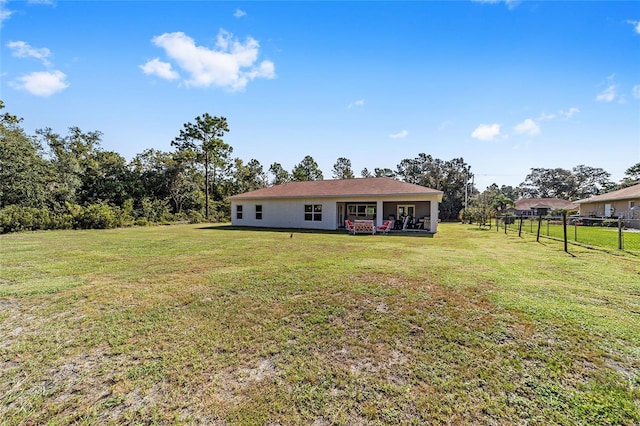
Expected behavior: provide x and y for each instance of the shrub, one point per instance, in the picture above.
(143, 221)
(126, 214)
(16, 218)
(195, 216)
(98, 216)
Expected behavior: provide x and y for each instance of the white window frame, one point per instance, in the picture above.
(313, 213)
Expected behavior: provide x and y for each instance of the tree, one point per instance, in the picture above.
(380, 172)
(365, 173)
(83, 172)
(632, 176)
(163, 176)
(456, 174)
(589, 181)
(581, 182)
(342, 169)
(204, 137)
(280, 175)
(510, 192)
(410, 170)
(548, 183)
(451, 177)
(246, 177)
(306, 170)
(24, 173)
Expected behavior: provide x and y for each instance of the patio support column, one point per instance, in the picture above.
(379, 213)
(434, 216)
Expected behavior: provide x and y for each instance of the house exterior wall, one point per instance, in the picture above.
(284, 213)
(620, 207)
(290, 212)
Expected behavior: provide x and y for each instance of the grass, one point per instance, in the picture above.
(197, 324)
(603, 237)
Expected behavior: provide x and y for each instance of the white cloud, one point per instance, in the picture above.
(4, 12)
(445, 125)
(546, 117)
(511, 4)
(572, 111)
(486, 132)
(608, 94)
(560, 114)
(230, 64)
(239, 13)
(21, 49)
(527, 127)
(358, 103)
(401, 134)
(160, 69)
(636, 25)
(636, 91)
(42, 83)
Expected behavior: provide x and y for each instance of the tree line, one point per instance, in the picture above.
(51, 181)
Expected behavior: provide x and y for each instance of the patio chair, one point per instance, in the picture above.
(407, 223)
(386, 226)
(350, 226)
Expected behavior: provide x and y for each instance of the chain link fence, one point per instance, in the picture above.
(603, 233)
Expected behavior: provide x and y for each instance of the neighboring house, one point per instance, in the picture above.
(540, 206)
(326, 204)
(612, 204)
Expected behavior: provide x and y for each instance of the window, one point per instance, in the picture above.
(361, 210)
(632, 204)
(313, 212)
(239, 211)
(259, 212)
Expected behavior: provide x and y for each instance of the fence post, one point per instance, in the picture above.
(520, 229)
(497, 223)
(564, 228)
(539, 225)
(505, 225)
(620, 235)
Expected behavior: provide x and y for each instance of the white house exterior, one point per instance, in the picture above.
(327, 204)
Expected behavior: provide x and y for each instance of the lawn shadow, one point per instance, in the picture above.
(311, 231)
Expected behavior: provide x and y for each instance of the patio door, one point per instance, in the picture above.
(406, 210)
(607, 210)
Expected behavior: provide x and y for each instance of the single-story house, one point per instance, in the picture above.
(540, 206)
(612, 204)
(327, 204)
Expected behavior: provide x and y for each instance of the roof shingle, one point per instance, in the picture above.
(539, 203)
(340, 188)
(628, 193)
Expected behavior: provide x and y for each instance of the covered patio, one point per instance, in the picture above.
(406, 215)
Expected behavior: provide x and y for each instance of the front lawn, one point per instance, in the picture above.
(214, 325)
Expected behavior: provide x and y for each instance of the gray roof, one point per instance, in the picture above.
(629, 193)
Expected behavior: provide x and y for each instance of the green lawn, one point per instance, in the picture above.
(214, 325)
(604, 237)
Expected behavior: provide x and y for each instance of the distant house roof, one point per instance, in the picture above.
(543, 203)
(357, 187)
(628, 193)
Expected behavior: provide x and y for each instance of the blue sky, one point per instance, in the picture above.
(507, 86)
